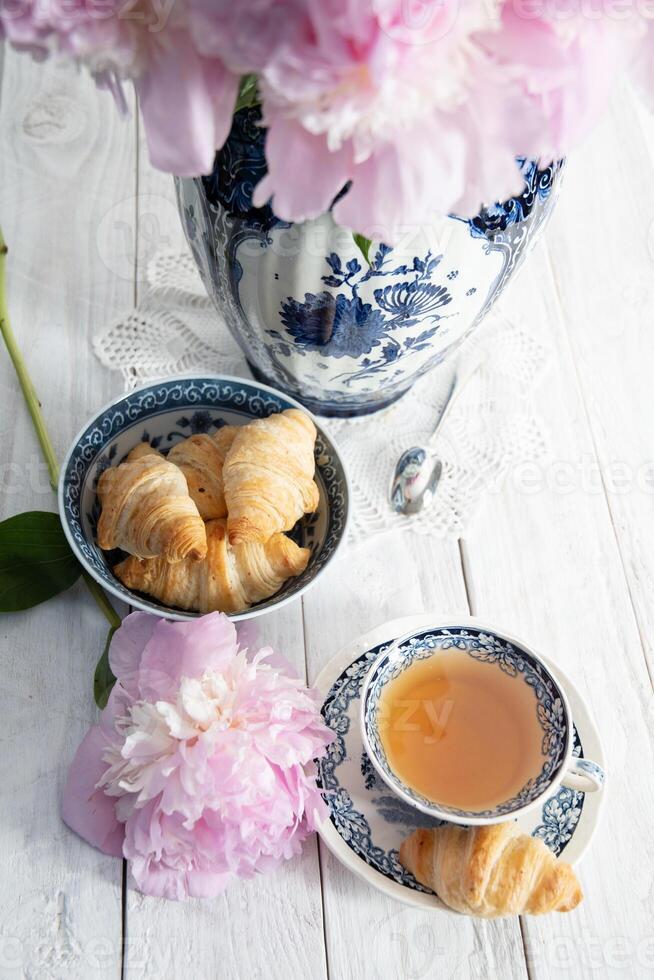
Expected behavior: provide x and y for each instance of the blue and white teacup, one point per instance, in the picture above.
(473, 639)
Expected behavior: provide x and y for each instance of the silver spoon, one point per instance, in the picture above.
(418, 470)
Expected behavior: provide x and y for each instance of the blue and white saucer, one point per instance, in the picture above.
(368, 822)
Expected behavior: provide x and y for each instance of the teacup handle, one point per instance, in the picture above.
(584, 775)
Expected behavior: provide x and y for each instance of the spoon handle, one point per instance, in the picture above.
(459, 383)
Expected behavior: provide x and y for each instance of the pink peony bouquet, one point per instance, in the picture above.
(201, 766)
(417, 106)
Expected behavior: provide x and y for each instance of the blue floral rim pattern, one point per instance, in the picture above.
(490, 649)
(194, 405)
(555, 826)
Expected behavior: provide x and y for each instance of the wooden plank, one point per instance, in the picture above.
(268, 927)
(544, 563)
(65, 161)
(547, 564)
(271, 926)
(368, 934)
(159, 225)
(606, 300)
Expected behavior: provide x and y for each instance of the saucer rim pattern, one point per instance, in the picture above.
(587, 820)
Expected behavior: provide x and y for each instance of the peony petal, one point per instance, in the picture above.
(188, 649)
(244, 35)
(318, 174)
(157, 880)
(205, 884)
(127, 647)
(393, 193)
(565, 67)
(86, 809)
(187, 102)
(247, 634)
(118, 706)
(276, 661)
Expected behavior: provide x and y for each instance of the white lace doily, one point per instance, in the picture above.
(492, 428)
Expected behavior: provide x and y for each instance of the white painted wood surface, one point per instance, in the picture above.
(565, 559)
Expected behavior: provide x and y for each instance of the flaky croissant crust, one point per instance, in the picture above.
(491, 871)
(147, 510)
(201, 458)
(268, 476)
(230, 579)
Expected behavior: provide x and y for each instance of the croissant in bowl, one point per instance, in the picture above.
(249, 483)
(230, 579)
(268, 476)
(147, 510)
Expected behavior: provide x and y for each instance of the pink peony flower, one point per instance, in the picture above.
(564, 58)
(365, 94)
(419, 106)
(201, 766)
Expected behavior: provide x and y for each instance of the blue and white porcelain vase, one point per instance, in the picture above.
(343, 335)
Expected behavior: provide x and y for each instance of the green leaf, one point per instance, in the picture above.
(364, 245)
(103, 679)
(248, 94)
(36, 562)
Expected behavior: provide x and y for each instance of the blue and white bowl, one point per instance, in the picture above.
(526, 667)
(165, 413)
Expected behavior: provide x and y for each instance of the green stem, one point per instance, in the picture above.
(100, 597)
(31, 398)
(34, 408)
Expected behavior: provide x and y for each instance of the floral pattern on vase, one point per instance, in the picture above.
(343, 325)
(313, 317)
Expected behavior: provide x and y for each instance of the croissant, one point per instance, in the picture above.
(268, 476)
(230, 579)
(143, 449)
(201, 458)
(147, 511)
(491, 871)
(224, 438)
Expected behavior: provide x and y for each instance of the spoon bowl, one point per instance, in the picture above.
(414, 481)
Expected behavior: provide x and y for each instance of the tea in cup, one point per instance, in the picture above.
(469, 725)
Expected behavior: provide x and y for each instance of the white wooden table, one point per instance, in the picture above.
(563, 556)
